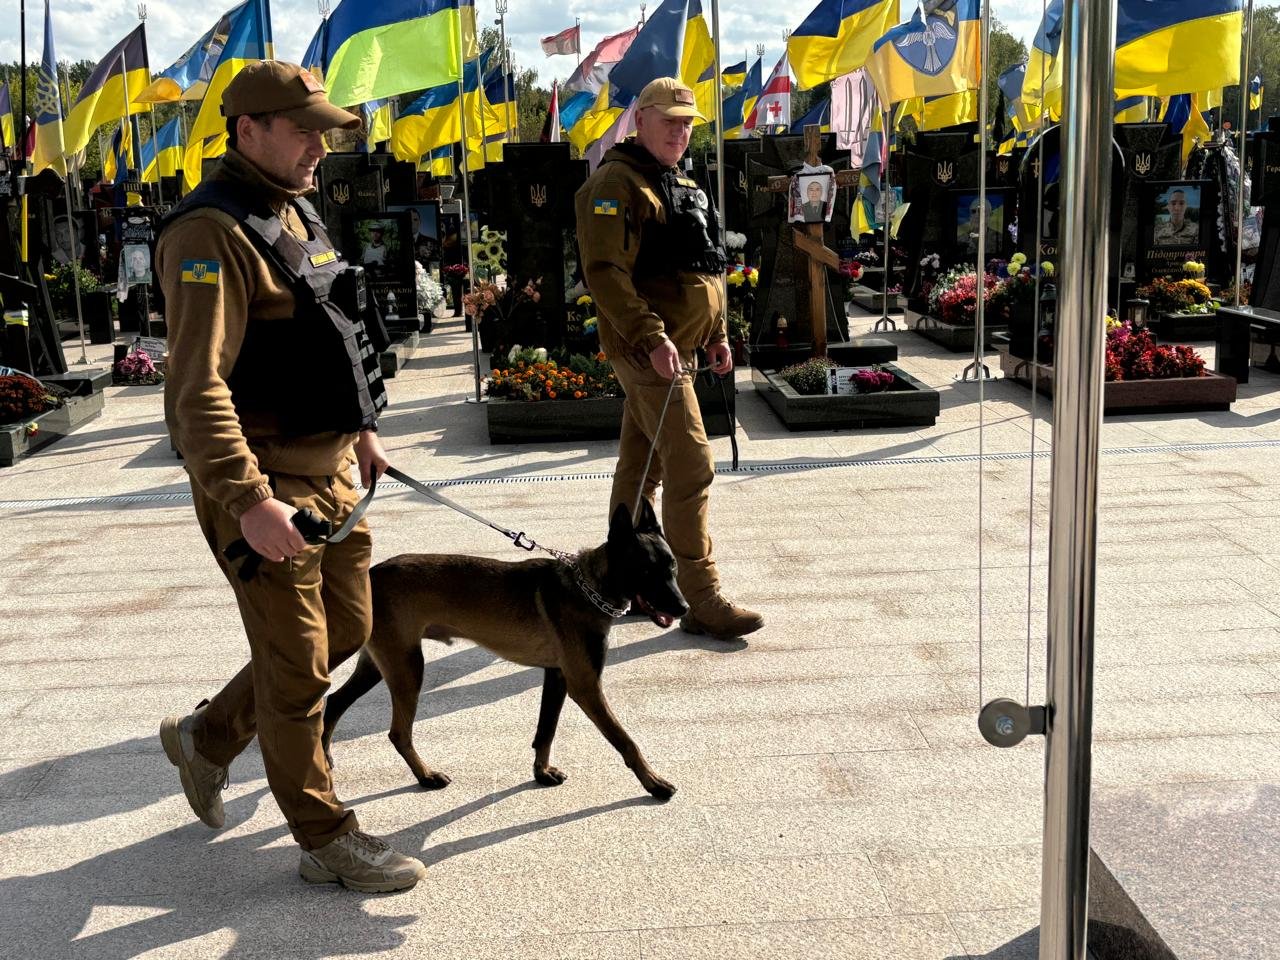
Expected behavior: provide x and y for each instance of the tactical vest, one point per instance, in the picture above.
(315, 372)
(688, 240)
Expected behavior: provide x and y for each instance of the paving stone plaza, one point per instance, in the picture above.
(835, 798)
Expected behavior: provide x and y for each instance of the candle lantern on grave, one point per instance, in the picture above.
(1137, 309)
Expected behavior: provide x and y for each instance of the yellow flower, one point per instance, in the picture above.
(584, 300)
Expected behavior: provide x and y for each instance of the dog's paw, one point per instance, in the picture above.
(435, 780)
(660, 788)
(328, 759)
(550, 776)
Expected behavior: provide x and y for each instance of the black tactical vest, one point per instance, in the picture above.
(315, 372)
(689, 240)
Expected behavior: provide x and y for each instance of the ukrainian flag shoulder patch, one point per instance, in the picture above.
(605, 208)
(201, 271)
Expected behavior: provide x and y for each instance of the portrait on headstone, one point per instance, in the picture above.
(812, 195)
(68, 240)
(136, 263)
(379, 243)
(424, 230)
(1177, 217)
(968, 208)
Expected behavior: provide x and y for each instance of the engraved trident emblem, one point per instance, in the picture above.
(538, 194)
(340, 192)
(1142, 164)
(945, 171)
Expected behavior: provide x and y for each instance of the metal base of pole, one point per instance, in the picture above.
(884, 323)
(974, 372)
(476, 400)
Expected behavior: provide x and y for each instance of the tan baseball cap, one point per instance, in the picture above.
(273, 86)
(671, 98)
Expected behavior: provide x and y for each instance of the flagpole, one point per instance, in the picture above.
(978, 365)
(74, 234)
(885, 126)
(1244, 127)
(464, 230)
(577, 40)
(21, 165)
(719, 121)
(501, 7)
(155, 144)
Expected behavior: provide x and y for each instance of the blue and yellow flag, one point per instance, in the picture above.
(377, 50)
(951, 110)
(575, 108)
(6, 118)
(732, 77)
(314, 59)
(674, 42)
(1183, 114)
(1256, 92)
(434, 120)
(376, 115)
(931, 55)
(837, 37)
(47, 108)
(1042, 84)
(500, 96)
(249, 40)
(114, 83)
(439, 161)
(738, 107)
(819, 113)
(1172, 46)
(119, 159)
(1132, 110)
(188, 76)
(162, 154)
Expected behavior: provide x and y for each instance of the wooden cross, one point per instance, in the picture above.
(808, 239)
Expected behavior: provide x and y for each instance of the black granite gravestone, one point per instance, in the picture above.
(1266, 193)
(1150, 152)
(533, 191)
(784, 272)
(348, 185)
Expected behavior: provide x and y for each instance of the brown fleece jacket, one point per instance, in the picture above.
(229, 455)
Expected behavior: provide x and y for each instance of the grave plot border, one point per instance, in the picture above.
(918, 406)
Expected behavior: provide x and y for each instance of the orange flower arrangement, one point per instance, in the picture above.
(529, 379)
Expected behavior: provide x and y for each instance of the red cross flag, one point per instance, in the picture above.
(774, 106)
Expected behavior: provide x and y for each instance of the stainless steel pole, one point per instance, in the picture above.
(719, 120)
(464, 230)
(1245, 43)
(978, 366)
(77, 251)
(1088, 39)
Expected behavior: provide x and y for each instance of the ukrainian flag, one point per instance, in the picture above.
(674, 42)
(313, 59)
(1131, 110)
(6, 118)
(739, 105)
(1184, 116)
(818, 114)
(938, 113)
(439, 161)
(837, 38)
(249, 40)
(1256, 92)
(1011, 82)
(1173, 46)
(574, 109)
(47, 108)
(116, 164)
(500, 96)
(188, 76)
(930, 55)
(1042, 86)
(735, 76)
(433, 120)
(162, 154)
(382, 49)
(376, 115)
(114, 83)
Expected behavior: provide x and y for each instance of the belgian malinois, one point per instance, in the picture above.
(538, 613)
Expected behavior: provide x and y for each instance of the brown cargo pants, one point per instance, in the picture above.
(303, 617)
(682, 463)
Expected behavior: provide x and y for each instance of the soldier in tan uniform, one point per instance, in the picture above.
(648, 240)
(1177, 230)
(270, 400)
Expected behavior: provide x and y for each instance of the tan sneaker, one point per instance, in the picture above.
(719, 618)
(202, 780)
(361, 862)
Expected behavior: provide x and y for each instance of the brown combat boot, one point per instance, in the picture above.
(202, 780)
(361, 862)
(719, 618)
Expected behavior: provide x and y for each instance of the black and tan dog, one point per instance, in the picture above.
(538, 613)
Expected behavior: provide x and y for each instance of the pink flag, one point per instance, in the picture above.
(853, 106)
(566, 41)
(594, 69)
(619, 131)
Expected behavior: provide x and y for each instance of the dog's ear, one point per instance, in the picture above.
(620, 523)
(647, 522)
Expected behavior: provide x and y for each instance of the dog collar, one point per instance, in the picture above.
(597, 600)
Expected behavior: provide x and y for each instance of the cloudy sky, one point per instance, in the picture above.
(87, 28)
